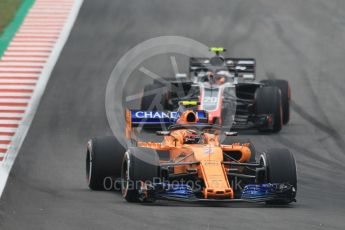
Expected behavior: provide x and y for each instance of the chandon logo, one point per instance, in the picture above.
(154, 115)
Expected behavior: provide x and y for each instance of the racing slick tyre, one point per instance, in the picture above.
(285, 90)
(281, 168)
(268, 101)
(150, 93)
(139, 166)
(103, 162)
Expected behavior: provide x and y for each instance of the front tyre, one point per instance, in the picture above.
(140, 166)
(280, 168)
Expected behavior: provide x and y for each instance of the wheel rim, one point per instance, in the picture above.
(281, 116)
(263, 162)
(125, 176)
(88, 166)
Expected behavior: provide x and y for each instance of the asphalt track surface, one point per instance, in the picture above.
(302, 41)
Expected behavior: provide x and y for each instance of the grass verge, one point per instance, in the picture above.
(8, 10)
(19, 9)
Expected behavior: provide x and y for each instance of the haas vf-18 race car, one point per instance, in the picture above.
(227, 90)
(190, 164)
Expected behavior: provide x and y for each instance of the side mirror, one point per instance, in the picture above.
(248, 76)
(163, 133)
(180, 75)
(231, 134)
(189, 103)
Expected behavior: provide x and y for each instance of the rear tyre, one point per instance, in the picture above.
(268, 101)
(285, 90)
(103, 162)
(280, 168)
(140, 165)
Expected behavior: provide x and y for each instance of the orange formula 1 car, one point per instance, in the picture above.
(190, 164)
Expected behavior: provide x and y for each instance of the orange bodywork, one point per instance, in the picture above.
(209, 155)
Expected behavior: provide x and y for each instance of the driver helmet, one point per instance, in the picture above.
(193, 138)
(217, 78)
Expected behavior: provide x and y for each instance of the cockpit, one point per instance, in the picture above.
(193, 133)
(213, 77)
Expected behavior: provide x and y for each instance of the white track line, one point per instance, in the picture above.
(19, 70)
(9, 121)
(5, 138)
(12, 100)
(18, 85)
(36, 49)
(50, 30)
(22, 130)
(28, 43)
(42, 19)
(17, 81)
(34, 39)
(12, 108)
(7, 130)
(7, 94)
(34, 42)
(13, 53)
(11, 115)
(19, 75)
(11, 58)
(4, 63)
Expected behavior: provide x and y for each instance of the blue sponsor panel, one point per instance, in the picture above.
(268, 192)
(202, 115)
(179, 190)
(159, 117)
(153, 117)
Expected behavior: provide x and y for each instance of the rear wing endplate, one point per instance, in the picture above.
(242, 67)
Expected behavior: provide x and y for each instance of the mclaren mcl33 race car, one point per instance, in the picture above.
(227, 90)
(191, 164)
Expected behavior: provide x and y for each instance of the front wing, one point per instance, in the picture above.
(251, 193)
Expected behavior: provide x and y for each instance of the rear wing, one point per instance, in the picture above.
(241, 67)
(136, 118)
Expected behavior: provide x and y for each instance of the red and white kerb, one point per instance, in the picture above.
(22, 63)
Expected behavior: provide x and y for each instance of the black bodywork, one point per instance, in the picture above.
(242, 100)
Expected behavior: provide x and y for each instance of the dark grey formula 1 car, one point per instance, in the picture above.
(226, 88)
